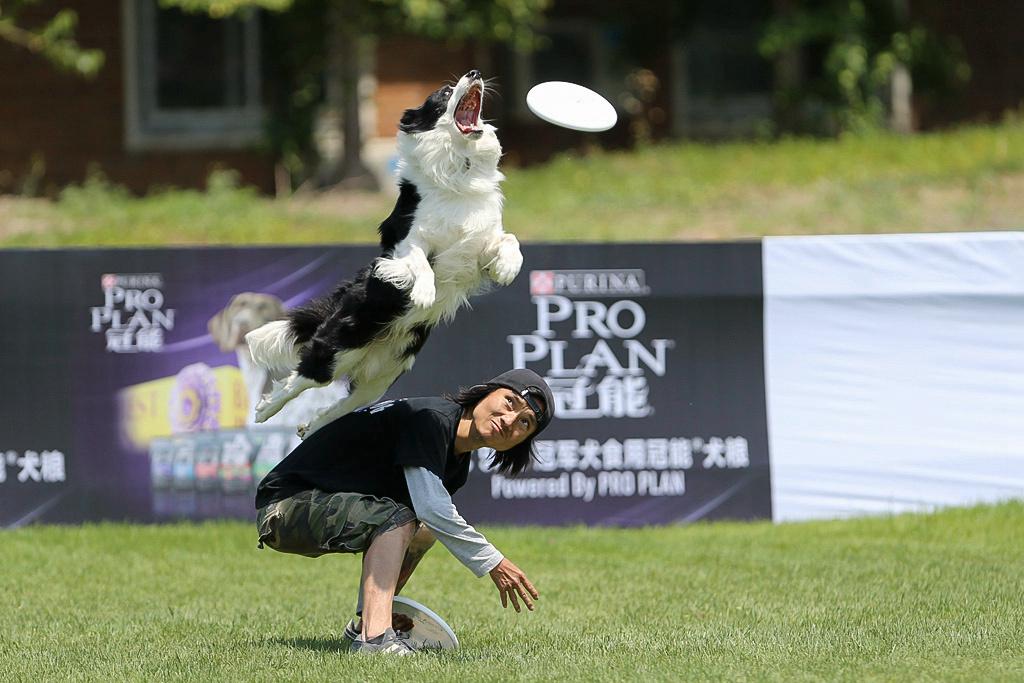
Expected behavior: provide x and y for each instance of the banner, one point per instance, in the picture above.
(128, 389)
(895, 372)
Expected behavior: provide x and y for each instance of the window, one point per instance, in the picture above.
(722, 85)
(191, 81)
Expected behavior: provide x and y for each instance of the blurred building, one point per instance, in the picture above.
(181, 95)
(151, 117)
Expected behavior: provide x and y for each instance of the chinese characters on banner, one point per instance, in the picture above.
(633, 467)
(38, 466)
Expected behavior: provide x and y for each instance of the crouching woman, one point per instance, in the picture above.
(379, 481)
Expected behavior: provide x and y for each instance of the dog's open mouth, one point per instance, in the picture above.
(467, 114)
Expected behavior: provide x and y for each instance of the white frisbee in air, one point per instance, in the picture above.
(571, 106)
(429, 631)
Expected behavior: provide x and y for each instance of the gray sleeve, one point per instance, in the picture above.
(434, 507)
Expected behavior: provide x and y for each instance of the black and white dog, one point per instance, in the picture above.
(441, 242)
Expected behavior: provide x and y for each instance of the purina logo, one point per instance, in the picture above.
(603, 282)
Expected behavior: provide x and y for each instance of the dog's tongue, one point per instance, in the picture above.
(468, 112)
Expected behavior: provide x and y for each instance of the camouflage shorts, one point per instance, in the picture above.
(313, 523)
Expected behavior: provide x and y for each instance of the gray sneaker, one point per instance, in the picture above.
(390, 642)
(351, 633)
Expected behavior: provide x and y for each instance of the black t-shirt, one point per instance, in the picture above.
(365, 451)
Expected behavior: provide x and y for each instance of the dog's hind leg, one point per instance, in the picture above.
(317, 360)
(367, 307)
(282, 392)
(360, 396)
(315, 369)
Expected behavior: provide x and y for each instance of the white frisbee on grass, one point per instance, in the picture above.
(571, 106)
(429, 631)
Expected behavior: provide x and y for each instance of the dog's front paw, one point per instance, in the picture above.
(270, 404)
(394, 271)
(423, 293)
(306, 429)
(506, 266)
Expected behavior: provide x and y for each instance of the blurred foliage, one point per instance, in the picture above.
(54, 40)
(510, 21)
(505, 21)
(297, 34)
(853, 47)
(640, 102)
(295, 60)
(224, 8)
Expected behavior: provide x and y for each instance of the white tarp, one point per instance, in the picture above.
(895, 371)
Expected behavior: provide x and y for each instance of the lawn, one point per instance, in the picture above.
(966, 179)
(913, 597)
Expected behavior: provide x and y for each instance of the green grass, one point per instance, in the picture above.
(967, 179)
(915, 597)
(882, 183)
(96, 214)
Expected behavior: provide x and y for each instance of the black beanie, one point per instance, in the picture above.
(530, 386)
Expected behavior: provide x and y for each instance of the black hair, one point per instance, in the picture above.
(514, 460)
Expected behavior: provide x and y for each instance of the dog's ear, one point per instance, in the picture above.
(218, 327)
(423, 118)
(412, 121)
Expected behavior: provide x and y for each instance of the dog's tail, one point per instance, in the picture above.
(273, 346)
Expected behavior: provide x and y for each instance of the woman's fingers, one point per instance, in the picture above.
(525, 596)
(512, 596)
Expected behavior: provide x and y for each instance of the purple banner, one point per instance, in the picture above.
(128, 392)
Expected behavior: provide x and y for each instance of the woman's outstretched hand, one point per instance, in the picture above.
(513, 585)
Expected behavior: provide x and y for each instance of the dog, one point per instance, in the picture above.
(248, 311)
(443, 242)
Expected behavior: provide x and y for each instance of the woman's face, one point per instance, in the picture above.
(503, 420)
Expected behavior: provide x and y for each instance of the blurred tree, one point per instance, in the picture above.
(856, 60)
(54, 40)
(345, 24)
